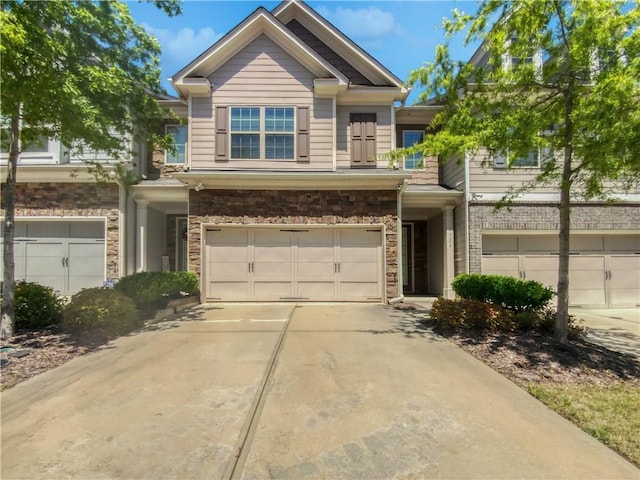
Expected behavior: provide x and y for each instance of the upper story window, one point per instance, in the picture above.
(409, 139)
(534, 159)
(39, 145)
(262, 132)
(179, 135)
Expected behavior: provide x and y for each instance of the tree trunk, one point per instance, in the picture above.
(9, 201)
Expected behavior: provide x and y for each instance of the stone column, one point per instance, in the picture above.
(448, 267)
(141, 235)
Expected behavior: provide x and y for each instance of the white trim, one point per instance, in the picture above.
(189, 129)
(334, 133)
(552, 197)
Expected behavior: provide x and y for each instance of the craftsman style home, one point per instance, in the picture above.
(280, 188)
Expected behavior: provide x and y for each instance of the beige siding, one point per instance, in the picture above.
(343, 134)
(262, 74)
(453, 174)
(484, 178)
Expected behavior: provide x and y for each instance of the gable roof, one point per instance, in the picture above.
(373, 70)
(259, 22)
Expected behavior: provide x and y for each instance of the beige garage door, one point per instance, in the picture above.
(289, 264)
(603, 269)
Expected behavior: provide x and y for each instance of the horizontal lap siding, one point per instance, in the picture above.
(263, 75)
(343, 135)
(453, 174)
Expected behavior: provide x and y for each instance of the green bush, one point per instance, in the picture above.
(508, 292)
(464, 314)
(101, 312)
(36, 306)
(153, 290)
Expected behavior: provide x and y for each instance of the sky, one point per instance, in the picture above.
(400, 34)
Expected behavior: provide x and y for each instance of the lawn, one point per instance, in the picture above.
(610, 413)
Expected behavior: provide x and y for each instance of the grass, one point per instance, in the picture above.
(609, 413)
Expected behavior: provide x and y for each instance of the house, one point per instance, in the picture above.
(280, 188)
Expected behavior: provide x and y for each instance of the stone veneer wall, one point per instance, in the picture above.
(296, 207)
(74, 200)
(527, 217)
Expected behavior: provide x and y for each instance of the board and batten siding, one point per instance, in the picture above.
(343, 134)
(262, 74)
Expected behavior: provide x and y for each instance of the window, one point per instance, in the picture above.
(532, 160)
(179, 135)
(410, 138)
(39, 145)
(262, 132)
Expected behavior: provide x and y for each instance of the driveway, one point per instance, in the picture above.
(286, 391)
(615, 328)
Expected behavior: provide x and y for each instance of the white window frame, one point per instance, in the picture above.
(262, 133)
(404, 145)
(167, 153)
(504, 164)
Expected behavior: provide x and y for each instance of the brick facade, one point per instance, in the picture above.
(74, 200)
(527, 217)
(316, 207)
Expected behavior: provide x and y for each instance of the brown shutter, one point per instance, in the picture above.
(222, 134)
(363, 139)
(303, 134)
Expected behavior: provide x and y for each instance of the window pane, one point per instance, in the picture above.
(278, 119)
(245, 119)
(179, 135)
(531, 160)
(410, 138)
(245, 145)
(40, 144)
(279, 147)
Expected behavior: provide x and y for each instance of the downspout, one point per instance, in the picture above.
(400, 276)
(467, 199)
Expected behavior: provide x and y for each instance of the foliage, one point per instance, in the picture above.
(465, 314)
(559, 75)
(100, 312)
(37, 306)
(509, 292)
(150, 290)
(609, 413)
(83, 73)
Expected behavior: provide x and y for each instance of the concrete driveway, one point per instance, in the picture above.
(615, 328)
(286, 391)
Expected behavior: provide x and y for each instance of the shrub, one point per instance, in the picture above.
(101, 312)
(464, 314)
(508, 292)
(36, 306)
(152, 290)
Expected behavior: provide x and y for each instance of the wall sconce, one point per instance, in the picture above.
(199, 187)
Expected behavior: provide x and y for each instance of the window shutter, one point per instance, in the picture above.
(499, 160)
(363, 139)
(222, 134)
(303, 134)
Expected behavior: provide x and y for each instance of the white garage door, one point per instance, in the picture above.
(67, 256)
(289, 264)
(603, 269)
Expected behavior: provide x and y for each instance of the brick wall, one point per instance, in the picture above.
(544, 217)
(296, 207)
(74, 200)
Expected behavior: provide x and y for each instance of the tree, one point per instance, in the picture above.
(79, 71)
(561, 76)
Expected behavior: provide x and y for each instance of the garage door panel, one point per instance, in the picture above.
(624, 282)
(359, 253)
(502, 265)
(586, 297)
(359, 290)
(228, 271)
(272, 290)
(358, 272)
(39, 229)
(272, 253)
(499, 244)
(272, 271)
(587, 243)
(228, 291)
(353, 237)
(317, 290)
(623, 243)
(316, 270)
(224, 253)
(539, 243)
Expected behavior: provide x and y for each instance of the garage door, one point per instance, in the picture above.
(603, 269)
(67, 256)
(289, 264)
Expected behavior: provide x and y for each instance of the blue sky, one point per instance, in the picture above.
(400, 34)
